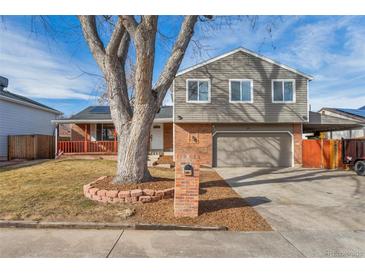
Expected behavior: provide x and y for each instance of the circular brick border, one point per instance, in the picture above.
(125, 196)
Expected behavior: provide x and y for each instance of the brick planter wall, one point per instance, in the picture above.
(125, 196)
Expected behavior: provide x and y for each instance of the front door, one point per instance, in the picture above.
(157, 137)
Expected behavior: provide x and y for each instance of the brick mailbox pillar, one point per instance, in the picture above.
(187, 173)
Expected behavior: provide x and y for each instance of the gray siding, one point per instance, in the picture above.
(17, 119)
(241, 66)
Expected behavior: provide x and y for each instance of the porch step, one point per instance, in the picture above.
(155, 153)
(152, 158)
(164, 161)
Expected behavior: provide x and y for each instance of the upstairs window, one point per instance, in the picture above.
(283, 91)
(241, 91)
(198, 91)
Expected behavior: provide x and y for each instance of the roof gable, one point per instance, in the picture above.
(247, 52)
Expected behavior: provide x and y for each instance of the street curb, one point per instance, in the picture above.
(178, 227)
(93, 225)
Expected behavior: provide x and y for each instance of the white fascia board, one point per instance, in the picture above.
(70, 121)
(248, 52)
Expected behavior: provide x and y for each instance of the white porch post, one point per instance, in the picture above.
(56, 141)
(102, 135)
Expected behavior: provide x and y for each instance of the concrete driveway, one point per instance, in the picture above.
(319, 212)
(302, 199)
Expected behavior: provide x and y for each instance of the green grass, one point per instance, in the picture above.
(52, 191)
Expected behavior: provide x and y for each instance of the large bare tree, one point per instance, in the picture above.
(133, 123)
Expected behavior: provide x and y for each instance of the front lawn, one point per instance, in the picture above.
(52, 191)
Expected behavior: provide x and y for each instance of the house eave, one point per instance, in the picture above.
(103, 121)
(347, 115)
(81, 121)
(29, 105)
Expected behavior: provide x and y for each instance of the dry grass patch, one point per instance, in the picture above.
(52, 191)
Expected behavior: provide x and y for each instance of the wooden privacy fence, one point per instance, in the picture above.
(30, 147)
(322, 154)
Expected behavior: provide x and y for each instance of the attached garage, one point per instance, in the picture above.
(259, 149)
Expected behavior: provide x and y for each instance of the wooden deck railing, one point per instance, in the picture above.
(92, 147)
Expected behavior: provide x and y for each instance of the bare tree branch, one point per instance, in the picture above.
(123, 47)
(173, 64)
(130, 24)
(91, 35)
(149, 20)
(144, 41)
(122, 54)
(116, 38)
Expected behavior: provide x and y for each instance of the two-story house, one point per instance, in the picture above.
(237, 109)
(241, 109)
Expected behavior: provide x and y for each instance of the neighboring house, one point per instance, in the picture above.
(238, 109)
(355, 115)
(22, 116)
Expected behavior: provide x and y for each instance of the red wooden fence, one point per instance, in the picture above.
(92, 147)
(322, 154)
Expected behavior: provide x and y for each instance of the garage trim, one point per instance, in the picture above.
(259, 131)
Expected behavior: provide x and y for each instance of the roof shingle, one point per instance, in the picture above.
(103, 113)
(18, 97)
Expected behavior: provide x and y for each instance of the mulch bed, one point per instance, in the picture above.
(219, 205)
(156, 183)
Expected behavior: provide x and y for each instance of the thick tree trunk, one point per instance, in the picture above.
(133, 123)
(133, 148)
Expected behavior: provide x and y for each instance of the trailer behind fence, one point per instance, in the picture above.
(30, 147)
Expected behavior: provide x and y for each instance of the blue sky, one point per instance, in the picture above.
(52, 64)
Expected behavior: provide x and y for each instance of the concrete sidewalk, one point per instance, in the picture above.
(18, 242)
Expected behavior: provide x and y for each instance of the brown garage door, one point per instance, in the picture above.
(253, 149)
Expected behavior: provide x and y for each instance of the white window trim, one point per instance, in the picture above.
(240, 101)
(272, 91)
(197, 101)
